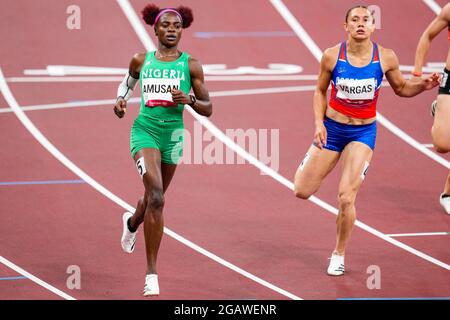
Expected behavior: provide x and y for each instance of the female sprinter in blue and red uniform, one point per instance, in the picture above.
(346, 126)
(166, 78)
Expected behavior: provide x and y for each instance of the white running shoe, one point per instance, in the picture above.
(445, 203)
(151, 287)
(336, 267)
(128, 240)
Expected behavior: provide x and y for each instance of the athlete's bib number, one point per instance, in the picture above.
(158, 92)
(353, 89)
(140, 166)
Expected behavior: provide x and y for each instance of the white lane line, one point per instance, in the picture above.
(118, 79)
(313, 48)
(227, 93)
(436, 8)
(51, 148)
(297, 28)
(231, 266)
(64, 79)
(423, 234)
(75, 104)
(71, 166)
(275, 175)
(262, 91)
(63, 70)
(411, 141)
(208, 78)
(35, 279)
(111, 102)
(136, 24)
(227, 141)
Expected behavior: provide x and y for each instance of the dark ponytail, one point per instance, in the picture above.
(187, 15)
(149, 14)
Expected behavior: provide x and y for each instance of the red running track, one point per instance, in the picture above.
(233, 211)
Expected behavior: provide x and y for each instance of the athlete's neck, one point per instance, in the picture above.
(359, 47)
(163, 51)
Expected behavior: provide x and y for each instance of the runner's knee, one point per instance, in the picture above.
(440, 147)
(440, 141)
(346, 199)
(441, 150)
(155, 199)
(302, 193)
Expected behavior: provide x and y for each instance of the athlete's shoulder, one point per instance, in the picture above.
(193, 60)
(329, 57)
(388, 58)
(136, 64)
(195, 68)
(139, 57)
(194, 63)
(387, 54)
(138, 60)
(445, 12)
(332, 52)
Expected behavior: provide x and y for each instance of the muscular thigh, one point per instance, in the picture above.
(314, 168)
(148, 164)
(157, 175)
(167, 172)
(442, 114)
(356, 158)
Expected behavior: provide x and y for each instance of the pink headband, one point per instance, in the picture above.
(163, 11)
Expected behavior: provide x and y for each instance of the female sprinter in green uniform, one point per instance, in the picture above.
(166, 77)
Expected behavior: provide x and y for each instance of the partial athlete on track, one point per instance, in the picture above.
(345, 127)
(440, 108)
(166, 77)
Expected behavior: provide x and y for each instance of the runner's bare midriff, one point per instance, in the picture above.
(342, 118)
